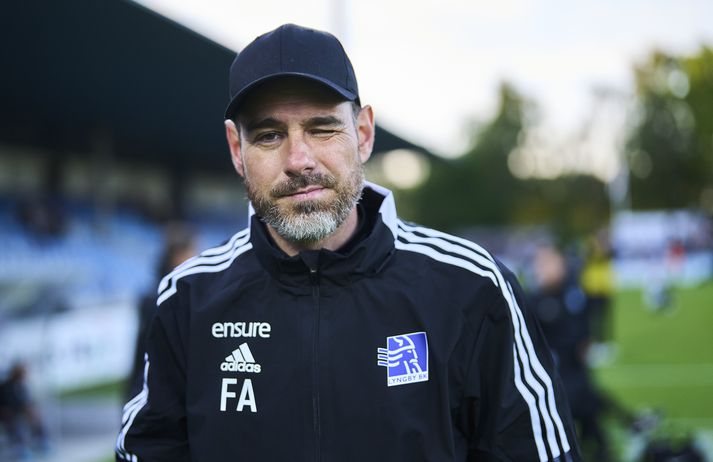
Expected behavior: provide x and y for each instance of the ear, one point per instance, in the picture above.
(365, 132)
(233, 137)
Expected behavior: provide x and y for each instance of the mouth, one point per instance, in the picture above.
(309, 192)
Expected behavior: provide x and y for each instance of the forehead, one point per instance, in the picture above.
(290, 95)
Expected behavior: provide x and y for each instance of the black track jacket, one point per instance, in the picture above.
(411, 345)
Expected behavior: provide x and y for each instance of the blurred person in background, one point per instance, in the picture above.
(560, 304)
(564, 311)
(43, 217)
(19, 417)
(597, 280)
(598, 284)
(179, 246)
(659, 296)
(329, 329)
(667, 450)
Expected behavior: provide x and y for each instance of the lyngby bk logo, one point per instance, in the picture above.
(406, 357)
(240, 360)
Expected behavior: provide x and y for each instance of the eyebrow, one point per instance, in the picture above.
(323, 121)
(267, 122)
(271, 122)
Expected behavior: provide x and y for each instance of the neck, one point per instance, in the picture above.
(332, 242)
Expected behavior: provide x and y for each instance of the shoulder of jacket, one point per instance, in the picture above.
(457, 252)
(211, 262)
(448, 249)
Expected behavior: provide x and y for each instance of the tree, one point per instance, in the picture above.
(670, 150)
(477, 188)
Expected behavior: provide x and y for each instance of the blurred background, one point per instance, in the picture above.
(573, 141)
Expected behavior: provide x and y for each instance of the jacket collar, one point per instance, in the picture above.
(332, 269)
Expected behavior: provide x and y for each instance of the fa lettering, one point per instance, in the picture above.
(245, 400)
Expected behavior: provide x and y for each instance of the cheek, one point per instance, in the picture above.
(345, 145)
(261, 169)
(340, 156)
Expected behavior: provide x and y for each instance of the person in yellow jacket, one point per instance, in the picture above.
(597, 280)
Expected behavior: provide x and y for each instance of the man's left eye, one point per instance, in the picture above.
(323, 132)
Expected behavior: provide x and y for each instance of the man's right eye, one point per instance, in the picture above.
(266, 138)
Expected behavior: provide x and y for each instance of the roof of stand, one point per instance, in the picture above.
(72, 71)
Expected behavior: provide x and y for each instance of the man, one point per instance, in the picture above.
(330, 330)
(179, 245)
(560, 305)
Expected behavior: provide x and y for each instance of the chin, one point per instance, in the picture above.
(306, 207)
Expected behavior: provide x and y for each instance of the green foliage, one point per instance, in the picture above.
(573, 206)
(479, 189)
(670, 150)
(670, 154)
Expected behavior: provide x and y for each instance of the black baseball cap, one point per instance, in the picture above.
(292, 50)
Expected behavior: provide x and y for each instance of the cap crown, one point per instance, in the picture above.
(296, 51)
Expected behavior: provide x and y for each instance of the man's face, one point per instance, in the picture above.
(301, 158)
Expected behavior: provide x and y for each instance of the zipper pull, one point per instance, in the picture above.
(314, 276)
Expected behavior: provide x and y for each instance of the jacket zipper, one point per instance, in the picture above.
(314, 278)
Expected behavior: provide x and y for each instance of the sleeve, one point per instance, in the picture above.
(515, 408)
(146, 310)
(154, 421)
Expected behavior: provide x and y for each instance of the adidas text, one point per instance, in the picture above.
(240, 367)
(240, 359)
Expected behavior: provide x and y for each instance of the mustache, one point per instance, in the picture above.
(294, 184)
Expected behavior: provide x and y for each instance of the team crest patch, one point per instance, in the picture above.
(406, 358)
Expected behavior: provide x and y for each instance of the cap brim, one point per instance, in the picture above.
(240, 96)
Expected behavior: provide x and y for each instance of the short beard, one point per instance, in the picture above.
(308, 222)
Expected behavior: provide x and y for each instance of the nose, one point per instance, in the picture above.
(300, 158)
